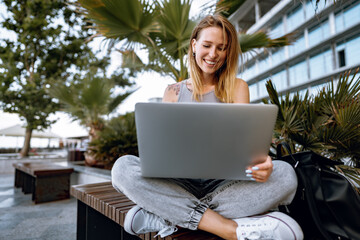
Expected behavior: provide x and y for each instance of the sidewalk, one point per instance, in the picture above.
(21, 219)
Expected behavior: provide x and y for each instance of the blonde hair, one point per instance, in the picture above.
(226, 74)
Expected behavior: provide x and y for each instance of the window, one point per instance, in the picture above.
(264, 64)
(278, 57)
(312, 9)
(347, 17)
(262, 88)
(279, 80)
(319, 33)
(277, 30)
(295, 18)
(349, 51)
(341, 58)
(353, 51)
(253, 91)
(320, 64)
(249, 72)
(298, 73)
(297, 46)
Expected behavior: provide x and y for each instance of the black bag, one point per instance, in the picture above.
(326, 205)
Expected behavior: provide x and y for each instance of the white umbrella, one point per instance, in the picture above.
(19, 131)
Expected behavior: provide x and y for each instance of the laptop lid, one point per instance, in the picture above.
(202, 140)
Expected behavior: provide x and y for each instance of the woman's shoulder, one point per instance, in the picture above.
(172, 92)
(241, 91)
(240, 83)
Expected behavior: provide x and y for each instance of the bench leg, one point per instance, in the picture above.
(18, 178)
(27, 183)
(92, 225)
(51, 188)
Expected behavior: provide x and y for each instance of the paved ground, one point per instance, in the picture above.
(21, 219)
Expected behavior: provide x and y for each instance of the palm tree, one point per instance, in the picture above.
(89, 100)
(327, 123)
(163, 28)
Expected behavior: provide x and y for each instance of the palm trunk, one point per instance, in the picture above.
(26, 148)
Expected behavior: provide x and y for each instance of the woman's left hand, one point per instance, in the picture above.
(262, 171)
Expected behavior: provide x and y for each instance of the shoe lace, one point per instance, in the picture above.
(166, 231)
(259, 229)
(156, 223)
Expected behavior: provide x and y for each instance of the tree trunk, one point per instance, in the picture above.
(26, 148)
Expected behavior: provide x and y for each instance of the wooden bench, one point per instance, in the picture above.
(101, 213)
(46, 181)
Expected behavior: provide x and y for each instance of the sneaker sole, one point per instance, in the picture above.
(129, 218)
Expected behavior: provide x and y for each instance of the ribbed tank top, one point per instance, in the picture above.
(198, 187)
(185, 95)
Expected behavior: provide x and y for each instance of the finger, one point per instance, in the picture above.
(263, 166)
(258, 176)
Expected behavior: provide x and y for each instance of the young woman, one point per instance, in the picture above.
(227, 208)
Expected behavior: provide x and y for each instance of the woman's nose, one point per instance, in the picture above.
(213, 52)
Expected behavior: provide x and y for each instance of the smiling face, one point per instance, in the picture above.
(210, 50)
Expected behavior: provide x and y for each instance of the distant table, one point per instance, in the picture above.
(46, 181)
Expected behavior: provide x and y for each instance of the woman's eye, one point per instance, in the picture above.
(206, 46)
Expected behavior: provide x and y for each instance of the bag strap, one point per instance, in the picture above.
(279, 155)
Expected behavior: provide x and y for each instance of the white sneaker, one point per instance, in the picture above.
(275, 225)
(140, 221)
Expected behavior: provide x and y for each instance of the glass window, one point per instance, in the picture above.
(279, 80)
(297, 46)
(253, 91)
(310, 9)
(262, 88)
(319, 33)
(347, 17)
(298, 73)
(295, 18)
(352, 51)
(249, 72)
(320, 64)
(264, 64)
(277, 30)
(348, 52)
(278, 57)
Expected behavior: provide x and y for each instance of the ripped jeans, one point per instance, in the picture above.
(172, 199)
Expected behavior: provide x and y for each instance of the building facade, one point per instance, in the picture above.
(327, 43)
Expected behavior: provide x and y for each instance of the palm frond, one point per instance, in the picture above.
(352, 174)
(250, 42)
(228, 7)
(328, 123)
(121, 19)
(117, 100)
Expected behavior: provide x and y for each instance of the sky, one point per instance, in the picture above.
(150, 84)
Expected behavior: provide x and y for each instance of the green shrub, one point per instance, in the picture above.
(118, 138)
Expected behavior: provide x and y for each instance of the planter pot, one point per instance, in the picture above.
(91, 161)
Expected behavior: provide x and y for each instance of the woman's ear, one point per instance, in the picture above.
(193, 44)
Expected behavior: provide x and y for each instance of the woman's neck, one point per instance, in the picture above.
(207, 86)
(208, 80)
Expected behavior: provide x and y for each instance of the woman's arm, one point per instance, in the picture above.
(171, 93)
(241, 94)
(262, 171)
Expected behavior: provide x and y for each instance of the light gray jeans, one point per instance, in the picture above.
(231, 199)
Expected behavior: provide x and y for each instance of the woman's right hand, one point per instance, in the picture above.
(262, 171)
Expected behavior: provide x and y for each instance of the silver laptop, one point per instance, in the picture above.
(202, 140)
